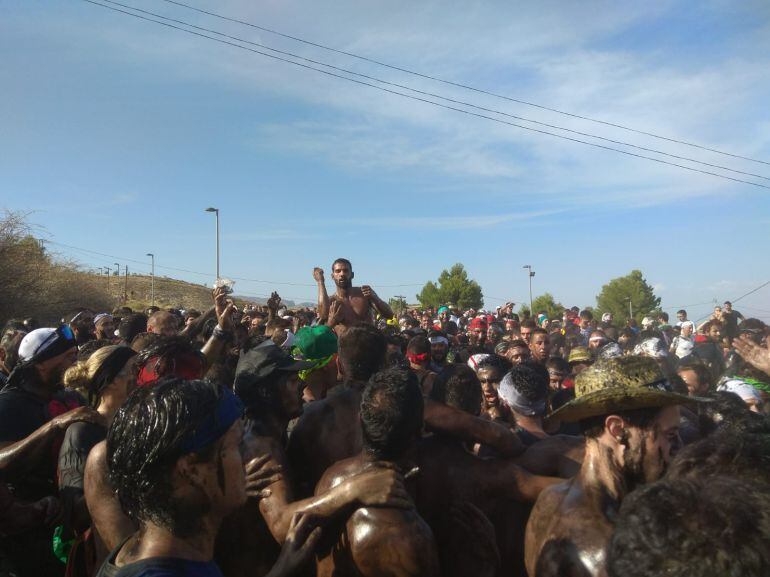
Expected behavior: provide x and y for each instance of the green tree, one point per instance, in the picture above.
(616, 294)
(546, 302)
(398, 305)
(454, 287)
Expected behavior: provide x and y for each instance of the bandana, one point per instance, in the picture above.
(216, 423)
(740, 387)
(438, 340)
(44, 344)
(474, 361)
(110, 368)
(101, 316)
(420, 359)
(478, 323)
(610, 351)
(517, 402)
(187, 366)
(652, 348)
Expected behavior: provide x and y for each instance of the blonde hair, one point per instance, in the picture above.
(79, 375)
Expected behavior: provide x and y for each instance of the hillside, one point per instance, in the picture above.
(169, 292)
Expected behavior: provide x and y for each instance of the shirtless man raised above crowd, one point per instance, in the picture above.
(348, 305)
(631, 424)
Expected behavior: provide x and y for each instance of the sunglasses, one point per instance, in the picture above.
(63, 332)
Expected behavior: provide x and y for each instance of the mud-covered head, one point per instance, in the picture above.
(391, 414)
(173, 453)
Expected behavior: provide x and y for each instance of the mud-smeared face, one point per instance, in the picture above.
(650, 451)
(490, 378)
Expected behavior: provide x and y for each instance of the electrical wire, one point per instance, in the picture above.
(163, 267)
(461, 85)
(440, 97)
(417, 98)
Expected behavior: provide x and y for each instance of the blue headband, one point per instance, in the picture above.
(216, 423)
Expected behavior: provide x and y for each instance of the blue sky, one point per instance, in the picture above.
(117, 133)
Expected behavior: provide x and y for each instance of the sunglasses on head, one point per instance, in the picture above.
(63, 332)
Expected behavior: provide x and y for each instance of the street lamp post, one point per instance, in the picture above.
(216, 211)
(152, 279)
(531, 274)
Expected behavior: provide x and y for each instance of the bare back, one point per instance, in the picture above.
(567, 534)
(375, 542)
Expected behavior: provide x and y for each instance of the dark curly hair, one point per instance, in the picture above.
(459, 387)
(710, 527)
(391, 413)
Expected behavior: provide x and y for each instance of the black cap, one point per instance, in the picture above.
(264, 360)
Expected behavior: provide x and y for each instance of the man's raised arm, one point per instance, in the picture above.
(323, 296)
(379, 305)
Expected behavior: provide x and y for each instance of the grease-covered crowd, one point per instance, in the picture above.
(344, 440)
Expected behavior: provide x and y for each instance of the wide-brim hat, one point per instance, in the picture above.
(619, 384)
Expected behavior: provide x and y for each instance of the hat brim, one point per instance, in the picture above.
(609, 401)
(296, 366)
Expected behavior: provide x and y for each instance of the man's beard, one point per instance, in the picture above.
(345, 283)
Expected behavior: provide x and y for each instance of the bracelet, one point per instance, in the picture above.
(220, 333)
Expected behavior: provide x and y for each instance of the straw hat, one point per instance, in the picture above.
(619, 384)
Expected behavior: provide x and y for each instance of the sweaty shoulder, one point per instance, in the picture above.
(392, 542)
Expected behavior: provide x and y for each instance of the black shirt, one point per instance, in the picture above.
(21, 414)
(158, 567)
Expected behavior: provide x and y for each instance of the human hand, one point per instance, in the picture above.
(380, 485)
(224, 308)
(81, 414)
(335, 313)
(299, 547)
(318, 274)
(754, 354)
(368, 292)
(260, 474)
(274, 302)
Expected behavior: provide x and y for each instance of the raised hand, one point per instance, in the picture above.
(274, 302)
(318, 274)
(754, 354)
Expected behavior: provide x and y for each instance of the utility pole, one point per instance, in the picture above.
(531, 274)
(152, 279)
(402, 302)
(125, 288)
(216, 212)
(117, 269)
(630, 308)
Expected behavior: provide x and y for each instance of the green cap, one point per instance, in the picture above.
(316, 342)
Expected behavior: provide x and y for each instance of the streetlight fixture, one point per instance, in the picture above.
(216, 211)
(531, 274)
(152, 278)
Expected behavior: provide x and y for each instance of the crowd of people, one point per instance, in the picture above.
(345, 440)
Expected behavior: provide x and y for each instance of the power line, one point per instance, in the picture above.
(438, 104)
(440, 97)
(271, 282)
(461, 85)
(752, 291)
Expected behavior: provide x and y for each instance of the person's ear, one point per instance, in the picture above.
(352, 275)
(616, 427)
(189, 470)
